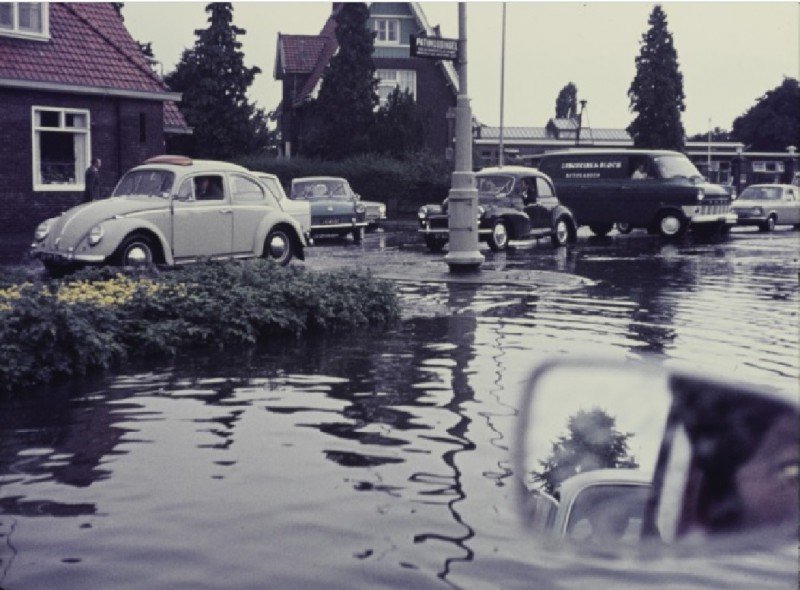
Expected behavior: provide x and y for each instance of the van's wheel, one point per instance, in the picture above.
(135, 250)
(624, 228)
(561, 233)
(278, 246)
(671, 224)
(498, 239)
(601, 229)
(358, 235)
(768, 225)
(435, 244)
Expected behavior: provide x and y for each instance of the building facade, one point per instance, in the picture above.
(301, 60)
(74, 86)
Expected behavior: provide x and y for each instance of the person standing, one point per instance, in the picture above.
(92, 181)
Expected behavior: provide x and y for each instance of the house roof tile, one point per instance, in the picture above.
(89, 46)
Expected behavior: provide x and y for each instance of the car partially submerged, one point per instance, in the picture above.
(335, 208)
(768, 205)
(514, 203)
(172, 210)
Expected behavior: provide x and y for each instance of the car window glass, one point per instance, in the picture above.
(246, 190)
(543, 188)
(153, 183)
(272, 188)
(185, 192)
(208, 188)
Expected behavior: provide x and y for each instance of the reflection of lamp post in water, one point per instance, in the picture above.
(463, 197)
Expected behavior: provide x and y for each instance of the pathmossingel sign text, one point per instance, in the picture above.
(434, 47)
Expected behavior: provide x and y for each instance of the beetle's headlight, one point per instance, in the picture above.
(422, 212)
(701, 195)
(95, 235)
(43, 229)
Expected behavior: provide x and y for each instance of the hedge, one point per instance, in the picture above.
(404, 185)
(95, 319)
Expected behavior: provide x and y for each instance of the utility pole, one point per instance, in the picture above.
(463, 197)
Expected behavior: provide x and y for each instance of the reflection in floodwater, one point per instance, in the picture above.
(361, 461)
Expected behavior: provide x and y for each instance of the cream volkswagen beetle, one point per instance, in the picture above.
(172, 210)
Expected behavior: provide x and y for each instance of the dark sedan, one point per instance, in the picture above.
(514, 203)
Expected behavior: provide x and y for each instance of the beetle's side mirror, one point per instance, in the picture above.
(625, 452)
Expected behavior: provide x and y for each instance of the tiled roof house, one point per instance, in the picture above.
(300, 62)
(74, 85)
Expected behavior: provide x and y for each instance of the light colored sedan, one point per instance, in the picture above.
(768, 205)
(172, 210)
(300, 210)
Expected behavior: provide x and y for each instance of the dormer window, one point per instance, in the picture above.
(24, 19)
(387, 31)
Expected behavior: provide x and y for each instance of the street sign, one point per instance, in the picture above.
(434, 48)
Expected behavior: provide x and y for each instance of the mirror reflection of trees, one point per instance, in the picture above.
(592, 442)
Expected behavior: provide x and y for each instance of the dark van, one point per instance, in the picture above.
(655, 189)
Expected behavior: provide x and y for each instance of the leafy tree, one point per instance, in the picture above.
(399, 127)
(772, 123)
(567, 102)
(656, 93)
(344, 111)
(214, 83)
(592, 442)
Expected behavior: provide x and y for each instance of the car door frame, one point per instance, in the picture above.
(201, 228)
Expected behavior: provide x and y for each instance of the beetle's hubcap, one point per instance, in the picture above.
(278, 246)
(137, 256)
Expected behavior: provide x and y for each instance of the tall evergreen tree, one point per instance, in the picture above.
(399, 127)
(592, 442)
(214, 82)
(567, 102)
(656, 93)
(345, 107)
(772, 123)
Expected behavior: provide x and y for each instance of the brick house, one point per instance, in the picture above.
(74, 85)
(300, 61)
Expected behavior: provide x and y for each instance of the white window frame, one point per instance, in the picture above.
(388, 80)
(82, 156)
(385, 29)
(15, 31)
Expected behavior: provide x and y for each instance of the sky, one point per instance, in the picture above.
(730, 53)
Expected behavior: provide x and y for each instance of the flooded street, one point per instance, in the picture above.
(373, 459)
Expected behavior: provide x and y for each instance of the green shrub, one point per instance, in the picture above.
(96, 318)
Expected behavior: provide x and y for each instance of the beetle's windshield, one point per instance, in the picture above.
(495, 184)
(148, 183)
(320, 189)
(761, 193)
(677, 166)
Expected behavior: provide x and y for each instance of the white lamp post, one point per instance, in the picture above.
(463, 197)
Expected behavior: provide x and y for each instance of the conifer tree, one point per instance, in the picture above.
(214, 82)
(344, 110)
(567, 102)
(656, 93)
(592, 442)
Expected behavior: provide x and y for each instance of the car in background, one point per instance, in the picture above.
(300, 210)
(172, 210)
(335, 208)
(768, 205)
(514, 203)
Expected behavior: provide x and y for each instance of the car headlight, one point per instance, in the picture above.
(422, 212)
(95, 235)
(757, 211)
(701, 195)
(360, 208)
(43, 229)
(382, 210)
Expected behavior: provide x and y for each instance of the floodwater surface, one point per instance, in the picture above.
(374, 459)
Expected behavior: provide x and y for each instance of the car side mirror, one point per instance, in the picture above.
(627, 452)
